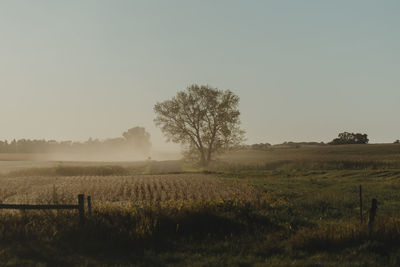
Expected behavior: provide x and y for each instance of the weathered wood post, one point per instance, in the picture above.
(372, 215)
(361, 206)
(89, 206)
(81, 207)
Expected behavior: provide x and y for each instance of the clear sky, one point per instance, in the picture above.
(304, 70)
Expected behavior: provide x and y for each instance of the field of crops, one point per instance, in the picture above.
(178, 189)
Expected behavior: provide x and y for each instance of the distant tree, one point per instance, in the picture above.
(260, 146)
(202, 118)
(396, 142)
(139, 139)
(346, 138)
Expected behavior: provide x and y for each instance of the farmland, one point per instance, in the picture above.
(123, 191)
(286, 206)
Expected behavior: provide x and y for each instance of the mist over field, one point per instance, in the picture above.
(106, 156)
(135, 144)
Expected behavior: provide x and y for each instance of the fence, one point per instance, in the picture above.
(80, 207)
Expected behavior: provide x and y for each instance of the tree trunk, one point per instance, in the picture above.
(203, 161)
(209, 157)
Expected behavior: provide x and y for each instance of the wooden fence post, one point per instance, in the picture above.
(361, 206)
(89, 205)
(372, 214)
(81, 206)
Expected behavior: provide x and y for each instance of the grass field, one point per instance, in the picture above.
(278, 207)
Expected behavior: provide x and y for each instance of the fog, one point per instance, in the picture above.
(133, 145)
(112, 156)
(105, 156)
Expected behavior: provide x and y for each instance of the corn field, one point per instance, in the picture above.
(123, 191)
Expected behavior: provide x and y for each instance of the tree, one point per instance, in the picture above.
(346, 138)
(203, 119)
(138, 138)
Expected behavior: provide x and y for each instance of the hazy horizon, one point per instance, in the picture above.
(304, 70)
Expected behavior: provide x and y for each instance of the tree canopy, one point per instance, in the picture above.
(346, 138)
(138, 138)
(203, 119)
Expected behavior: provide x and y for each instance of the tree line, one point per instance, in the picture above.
(135, 139)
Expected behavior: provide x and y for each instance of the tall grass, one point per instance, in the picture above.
(255, 231)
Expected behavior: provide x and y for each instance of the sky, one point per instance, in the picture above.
(304, 70)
